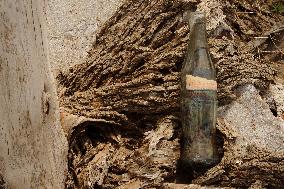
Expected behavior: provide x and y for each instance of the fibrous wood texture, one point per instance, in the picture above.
(127, 91)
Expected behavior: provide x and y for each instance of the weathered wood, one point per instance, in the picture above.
(129, 87)
(33, 148)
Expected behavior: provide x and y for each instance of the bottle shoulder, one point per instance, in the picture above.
(199, 63)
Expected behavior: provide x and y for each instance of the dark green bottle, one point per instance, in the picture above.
(198, 99)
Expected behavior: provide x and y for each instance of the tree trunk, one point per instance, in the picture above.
(33, 148)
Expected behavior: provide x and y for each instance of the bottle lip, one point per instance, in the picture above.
(196, 18)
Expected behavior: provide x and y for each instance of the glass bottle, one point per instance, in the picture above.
(198, 99)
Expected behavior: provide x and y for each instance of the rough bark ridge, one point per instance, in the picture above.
(127, 91)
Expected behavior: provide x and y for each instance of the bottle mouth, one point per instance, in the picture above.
(196, 17)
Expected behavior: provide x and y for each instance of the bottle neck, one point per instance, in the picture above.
(198, 35)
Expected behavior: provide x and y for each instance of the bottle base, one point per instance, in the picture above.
(187, 170)
(199, 165)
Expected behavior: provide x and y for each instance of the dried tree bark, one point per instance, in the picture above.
(126, 94)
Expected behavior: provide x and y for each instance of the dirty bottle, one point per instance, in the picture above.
(198, 98)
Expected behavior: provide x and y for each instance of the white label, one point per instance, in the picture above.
(200, 83)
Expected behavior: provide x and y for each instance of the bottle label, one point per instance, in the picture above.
(200, 83)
